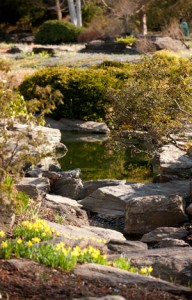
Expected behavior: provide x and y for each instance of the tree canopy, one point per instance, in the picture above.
(159, 12)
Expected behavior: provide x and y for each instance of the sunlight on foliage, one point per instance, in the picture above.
(27, 243)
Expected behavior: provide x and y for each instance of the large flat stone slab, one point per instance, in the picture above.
(112, 200)
(115, 276)
(78, 125)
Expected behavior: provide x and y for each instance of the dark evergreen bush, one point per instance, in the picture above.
(57, 32)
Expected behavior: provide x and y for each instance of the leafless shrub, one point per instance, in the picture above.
(144, 46)
(173, 29)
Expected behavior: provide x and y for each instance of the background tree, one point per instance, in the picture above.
(22, 11)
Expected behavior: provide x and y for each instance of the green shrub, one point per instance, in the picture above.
(83, 91)
(157, 98)
(117, 69)
(57, 32)
(128, 40)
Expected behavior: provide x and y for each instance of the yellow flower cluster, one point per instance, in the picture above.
(86, 237)
(34, 240)
(78, 252)
(146, 270)
(29, 244)
(40, 227)
(4, 244)
(2, 233)
(19, 241)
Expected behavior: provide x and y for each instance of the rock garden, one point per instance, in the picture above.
(65, 238)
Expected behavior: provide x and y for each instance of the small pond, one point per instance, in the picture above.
(99, 157)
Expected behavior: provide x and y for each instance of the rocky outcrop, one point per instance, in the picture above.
(144, 214)
(155, 43)
(50, 137)
(87, 232)
(173, 163)
(119, 246)
(99, 46)
(112, 200)
(70, 210)
(161, 233)
(7, 218)
(168, 263)
(115, 276)
(78, 126)
(90, 186)
(35, 188)
(168, 43)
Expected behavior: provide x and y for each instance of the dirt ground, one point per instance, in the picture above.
(25, 279)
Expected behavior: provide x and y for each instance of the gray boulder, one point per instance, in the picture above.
(67, 187)
(122, 247)
(161, 233)
(168, 43)
(168, 243)
(174, 163)
(144, 214)
(67, 208)
(90, 186)
(78, 126)
(35, 188)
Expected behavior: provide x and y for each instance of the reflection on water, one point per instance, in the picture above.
(99, 158)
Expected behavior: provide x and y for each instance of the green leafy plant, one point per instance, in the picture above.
(128, 40)
(57, 32)
(83, 91)
(157, 97)
(27, 243)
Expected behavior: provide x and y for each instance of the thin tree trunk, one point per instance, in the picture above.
(72, 12)
(144, 24)
(79, 14)
(58, 8)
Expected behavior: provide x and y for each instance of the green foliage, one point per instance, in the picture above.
(37, 229)
(160, 12)
(57, 32)
(128, 40)
(156, 97)
(27, 243)
(89, 11)
(18, 143)
(21, 11)
(83, 91)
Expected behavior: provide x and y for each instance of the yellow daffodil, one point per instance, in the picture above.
(59, 246)
(19, 241)
(4, 244)
(150, 269)
(143, 271)
(29, 244)
(75, 253)
(36, 240)
(84, 251)
(2, 233)
(94, 255)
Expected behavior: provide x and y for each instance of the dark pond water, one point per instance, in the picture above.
(101, 158)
